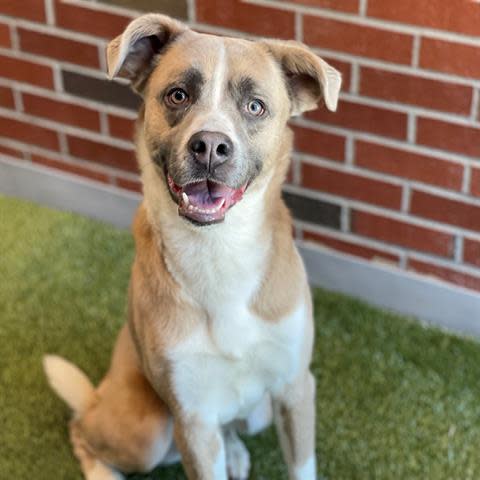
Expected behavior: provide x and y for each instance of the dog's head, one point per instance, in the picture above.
(216, 108)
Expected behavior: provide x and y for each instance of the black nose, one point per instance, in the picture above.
(210, 148)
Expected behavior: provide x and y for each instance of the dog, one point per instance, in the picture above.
(220, 327)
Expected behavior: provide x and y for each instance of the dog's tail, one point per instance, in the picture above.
(68, 382)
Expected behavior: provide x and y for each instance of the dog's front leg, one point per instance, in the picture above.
(202, 448)
(294, 412)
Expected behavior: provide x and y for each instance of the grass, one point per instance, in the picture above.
(395, 400)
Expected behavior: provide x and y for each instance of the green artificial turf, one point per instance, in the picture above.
(395, 400)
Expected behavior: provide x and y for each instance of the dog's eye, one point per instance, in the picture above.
(177, 97)
(255, 108)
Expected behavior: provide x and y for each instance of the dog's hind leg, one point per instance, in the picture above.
(92, 467)
(122, 424)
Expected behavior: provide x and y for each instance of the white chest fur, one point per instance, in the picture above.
(222, 387)
(224, 367)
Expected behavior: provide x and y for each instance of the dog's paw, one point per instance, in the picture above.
(237, 456)
(101, 472)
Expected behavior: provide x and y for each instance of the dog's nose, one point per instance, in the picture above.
(210, 148)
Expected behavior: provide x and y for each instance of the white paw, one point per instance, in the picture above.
(101, 472)
(237, 456)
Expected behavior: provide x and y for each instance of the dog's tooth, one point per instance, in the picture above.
(186, 201)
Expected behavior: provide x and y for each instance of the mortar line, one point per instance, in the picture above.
(50, 11)
(363, 8)
(458, 249)
(466, 180)
(417, 39)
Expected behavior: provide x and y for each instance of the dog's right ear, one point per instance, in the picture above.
(131, 55)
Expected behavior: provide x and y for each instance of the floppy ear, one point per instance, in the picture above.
(308, 77)
(131, 55)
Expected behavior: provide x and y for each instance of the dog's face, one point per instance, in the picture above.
(215, 107)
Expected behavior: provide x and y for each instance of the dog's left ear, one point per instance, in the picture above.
(308, 77)
(131, 55)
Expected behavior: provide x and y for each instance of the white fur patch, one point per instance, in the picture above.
(308, 471)
(221, 387)
(101, 472)
(219, 77)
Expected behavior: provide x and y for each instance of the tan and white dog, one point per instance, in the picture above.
(220, 320)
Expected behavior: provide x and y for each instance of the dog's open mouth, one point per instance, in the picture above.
(206, 201)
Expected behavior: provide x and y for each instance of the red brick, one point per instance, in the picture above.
(450, 57)
(349, 247)
(59, 48)
(6, 98)
(61, 112)
(10, 152)
(349, 185)
(5, 40)
(26, 71)
(445, 210)
(413, 166)
(29, 9)
(447, 274)
(132, 185)
(313, 142)
(458, 16)
(449, 136)
(475, 182)
(102, 153)
(121, 127)
(250, 18)
(89, 20)
(70, 168)
(342, 5)
(359, 40)
(397, 87)
(364, 118)
(471, 252)
(28, 133)
(402, 233)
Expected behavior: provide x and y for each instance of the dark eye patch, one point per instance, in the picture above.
(244, 90)
(191, 81)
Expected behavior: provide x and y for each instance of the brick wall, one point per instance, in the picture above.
(393, 176)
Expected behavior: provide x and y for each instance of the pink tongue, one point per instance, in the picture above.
(198, 194)
(205, 194)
